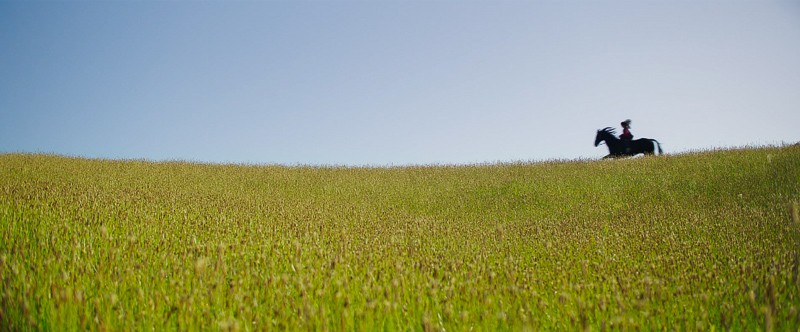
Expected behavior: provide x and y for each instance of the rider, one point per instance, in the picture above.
(626, 135)
(626, 130)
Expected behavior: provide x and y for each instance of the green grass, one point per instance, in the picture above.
(699, 241)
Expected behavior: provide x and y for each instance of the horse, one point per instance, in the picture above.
(618, 148)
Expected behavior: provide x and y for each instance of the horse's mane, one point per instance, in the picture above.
(609, 130)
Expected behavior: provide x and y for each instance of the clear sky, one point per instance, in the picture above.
(393, 82)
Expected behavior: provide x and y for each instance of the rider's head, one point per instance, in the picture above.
(626, 123)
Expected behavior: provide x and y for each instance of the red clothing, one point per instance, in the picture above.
(626, 134)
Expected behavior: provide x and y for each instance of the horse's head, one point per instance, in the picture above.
(604, 134)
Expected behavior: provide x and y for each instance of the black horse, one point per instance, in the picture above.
(618, 148)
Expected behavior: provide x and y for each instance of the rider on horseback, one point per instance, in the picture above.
(626, 135)
(624, 146)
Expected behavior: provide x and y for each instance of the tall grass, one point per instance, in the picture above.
(699, 241)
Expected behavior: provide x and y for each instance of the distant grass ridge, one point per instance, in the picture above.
(707, 240)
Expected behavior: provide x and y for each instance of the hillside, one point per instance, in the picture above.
(695, 241)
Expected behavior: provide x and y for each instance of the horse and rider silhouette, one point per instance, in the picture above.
(625, 145)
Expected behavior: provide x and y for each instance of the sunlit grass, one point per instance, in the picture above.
(696, 241)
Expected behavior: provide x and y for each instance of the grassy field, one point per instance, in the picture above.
(699, 241)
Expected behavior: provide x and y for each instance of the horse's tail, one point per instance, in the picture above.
(660, 152)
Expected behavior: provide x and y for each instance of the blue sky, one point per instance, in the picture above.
(393, 82)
